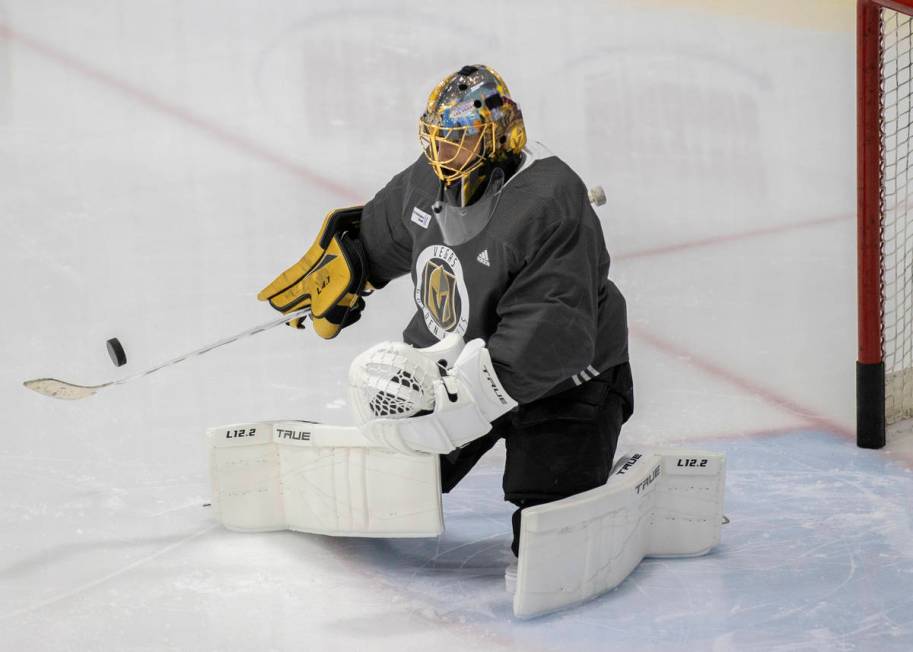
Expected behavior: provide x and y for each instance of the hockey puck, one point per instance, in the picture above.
(597, 196)
(116, 351)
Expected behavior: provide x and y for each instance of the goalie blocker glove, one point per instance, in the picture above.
(463, 401)
(330, 278)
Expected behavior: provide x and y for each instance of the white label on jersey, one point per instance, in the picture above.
(420, 217)
(483, 258)
(440, 291)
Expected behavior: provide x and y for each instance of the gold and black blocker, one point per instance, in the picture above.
(330, 277)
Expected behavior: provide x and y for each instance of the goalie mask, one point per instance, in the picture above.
(470, 125)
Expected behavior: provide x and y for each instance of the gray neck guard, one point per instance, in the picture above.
(460, 224)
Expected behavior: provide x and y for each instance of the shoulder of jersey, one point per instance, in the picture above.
(421, 177)
(546, 185)
(545, 175)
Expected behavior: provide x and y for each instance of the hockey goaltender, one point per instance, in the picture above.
(518, 334)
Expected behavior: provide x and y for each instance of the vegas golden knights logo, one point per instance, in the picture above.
(440, 294)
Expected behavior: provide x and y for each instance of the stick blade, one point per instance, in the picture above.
(61, 389)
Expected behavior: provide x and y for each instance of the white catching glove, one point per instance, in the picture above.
(463, 402)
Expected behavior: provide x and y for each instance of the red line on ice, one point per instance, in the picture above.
(182, 115)
(768, 395)
(732, 237)
(263, 153)
(745, 434)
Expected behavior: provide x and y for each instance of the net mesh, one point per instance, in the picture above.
(392, 380)
(897, 231)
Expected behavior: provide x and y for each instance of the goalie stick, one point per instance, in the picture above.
(62, 389)
(71, 391)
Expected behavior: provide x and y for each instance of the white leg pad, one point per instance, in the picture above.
(244, 472)
(287, 475)
(664, 503)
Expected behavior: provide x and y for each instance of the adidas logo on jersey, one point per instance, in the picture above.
(483, 258)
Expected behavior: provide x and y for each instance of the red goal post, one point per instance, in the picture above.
(884, 368)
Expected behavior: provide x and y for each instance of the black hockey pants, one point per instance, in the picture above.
(557, 446)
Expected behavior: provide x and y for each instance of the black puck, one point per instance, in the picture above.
(116, 351)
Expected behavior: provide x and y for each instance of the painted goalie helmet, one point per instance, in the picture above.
(469, 124)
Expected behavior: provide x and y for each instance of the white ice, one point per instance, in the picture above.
(161, 161)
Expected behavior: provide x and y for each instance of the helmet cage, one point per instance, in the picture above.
(445, 146)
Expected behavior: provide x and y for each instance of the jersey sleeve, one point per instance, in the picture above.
(387, 241)
(547, 326)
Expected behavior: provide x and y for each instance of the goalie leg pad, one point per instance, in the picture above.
(287, 475)
(660, 503)
(244, 474)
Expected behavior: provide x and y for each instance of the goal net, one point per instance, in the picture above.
(885, 218)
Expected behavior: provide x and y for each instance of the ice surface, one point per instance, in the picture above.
(160, 162)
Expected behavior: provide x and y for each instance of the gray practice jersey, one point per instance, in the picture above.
(532, 282)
